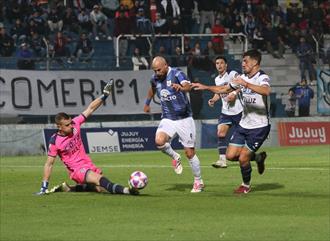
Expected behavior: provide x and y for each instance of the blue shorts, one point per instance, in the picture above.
(251, 138)
(231, 120)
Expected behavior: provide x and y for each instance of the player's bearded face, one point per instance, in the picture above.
(65, 127)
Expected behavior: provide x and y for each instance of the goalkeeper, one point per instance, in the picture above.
(67, 144)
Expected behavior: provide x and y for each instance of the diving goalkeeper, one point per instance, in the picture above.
(67, 144)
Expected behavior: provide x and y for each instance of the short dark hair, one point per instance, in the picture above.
(253, 54)
(221, 57)
(61, 116)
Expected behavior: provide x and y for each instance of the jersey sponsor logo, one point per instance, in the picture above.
(165, 95)
(168, 83)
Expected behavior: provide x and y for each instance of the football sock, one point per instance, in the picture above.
(246, 173)
(83, 188)
(168, 150)
(195, 167)
(255, 157)
(111, 187)
(222, 145)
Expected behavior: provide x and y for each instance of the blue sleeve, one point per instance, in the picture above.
(181, 76)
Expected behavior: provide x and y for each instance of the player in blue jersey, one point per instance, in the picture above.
(231, 110)
(254, 126)
(171, 86)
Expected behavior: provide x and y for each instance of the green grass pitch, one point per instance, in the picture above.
(291, 201)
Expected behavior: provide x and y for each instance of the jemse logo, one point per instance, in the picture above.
(308, 132)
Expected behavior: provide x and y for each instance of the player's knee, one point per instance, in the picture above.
(231, 157)
(190, 153)
(160, 142)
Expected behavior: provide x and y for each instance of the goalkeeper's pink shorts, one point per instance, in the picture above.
(79, 174)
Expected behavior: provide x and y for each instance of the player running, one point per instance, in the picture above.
(171, 86)
(254, 126)
(67, 144)
(231, 111)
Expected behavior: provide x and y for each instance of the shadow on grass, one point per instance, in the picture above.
(266, 186)
(179, 187)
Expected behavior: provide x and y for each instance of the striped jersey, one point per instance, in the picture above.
(175, 104)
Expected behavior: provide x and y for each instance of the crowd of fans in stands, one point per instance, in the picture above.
(68, 28)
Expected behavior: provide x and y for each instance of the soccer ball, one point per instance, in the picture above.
(138, 180)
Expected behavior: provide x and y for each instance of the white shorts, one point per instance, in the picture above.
(184, 128)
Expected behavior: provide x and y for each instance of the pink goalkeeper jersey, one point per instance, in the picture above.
(70, 148)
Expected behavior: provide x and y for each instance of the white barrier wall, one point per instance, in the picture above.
(28, 139)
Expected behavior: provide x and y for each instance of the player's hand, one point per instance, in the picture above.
(231, 96)
(198, 86)
(211, 102)
(108, 87)
(176, 87)
(237, 83)
(146, 108)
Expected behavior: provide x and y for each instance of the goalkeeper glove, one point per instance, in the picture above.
(43, 189)
(108, 87)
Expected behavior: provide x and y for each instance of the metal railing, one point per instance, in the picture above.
(182, 36)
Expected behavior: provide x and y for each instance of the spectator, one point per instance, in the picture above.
(70, 21)
(40, 23)
(178, 59)
(154, 9)
(175, 27)
(290, 103)
(186, 8)
(306, 58)
(61, 48)
(84, 50)
(304, 95)
(171, 8)
(249, 26)
(161, 28)
(258, 41)
(18, 31)
(122, 26)
(218, 41)
(206, 11)
(139, 62)
(238, 28)
(99, 21)
(7, 46)
(37, 45)
(55, 21)
(273, 41)
(143, 26)
(84, 21)
(25, 57)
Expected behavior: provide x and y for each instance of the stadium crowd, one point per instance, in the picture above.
(270, 25)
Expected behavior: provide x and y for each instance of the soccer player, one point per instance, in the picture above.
(67, 144)
(254, 126)
(231, 111)
(171, 86)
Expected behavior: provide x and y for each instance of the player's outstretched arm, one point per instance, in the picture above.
(48, 167)
(215, 89)
(95, 104)
(150, 95)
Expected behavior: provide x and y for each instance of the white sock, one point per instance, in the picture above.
(168, 150)
(195, 167)
(222, 157)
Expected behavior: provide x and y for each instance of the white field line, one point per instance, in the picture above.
(167, 166)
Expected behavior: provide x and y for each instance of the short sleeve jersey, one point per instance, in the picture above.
(256, 111)
(228, 108)
(175, 104)
(70, 148)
